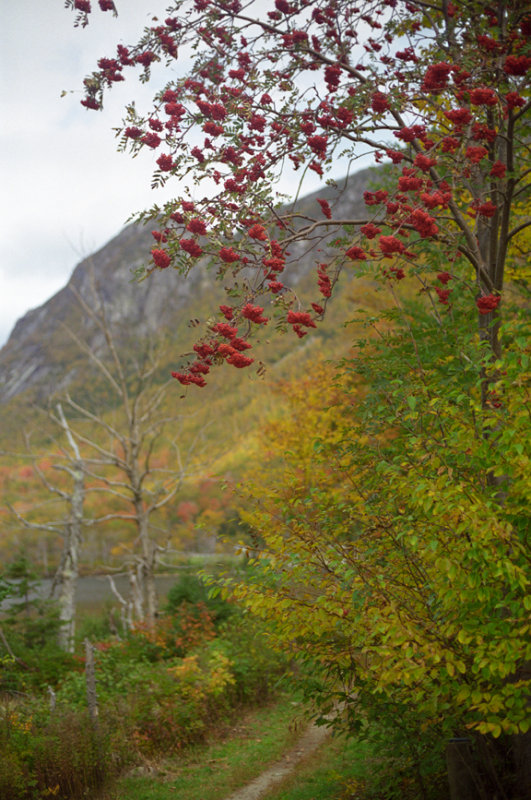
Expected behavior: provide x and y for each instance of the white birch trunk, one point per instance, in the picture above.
(68, 571)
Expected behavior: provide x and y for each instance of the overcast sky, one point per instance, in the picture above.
(65, 191)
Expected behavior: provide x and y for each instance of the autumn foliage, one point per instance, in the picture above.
(390, 507)
(438, 94)
(385, 558)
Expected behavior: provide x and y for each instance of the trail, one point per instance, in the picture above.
(267, 780)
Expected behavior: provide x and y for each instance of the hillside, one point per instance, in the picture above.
(37, 358)
(218, 428)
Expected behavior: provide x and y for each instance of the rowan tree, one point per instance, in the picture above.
(387, 560)
(436, 91)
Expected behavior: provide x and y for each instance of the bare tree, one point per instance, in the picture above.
(67, 574)
(120, 445)
(69, 527)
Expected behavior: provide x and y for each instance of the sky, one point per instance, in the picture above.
(65, 190)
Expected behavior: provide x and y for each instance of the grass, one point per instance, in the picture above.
(334, 772)
(214, 770)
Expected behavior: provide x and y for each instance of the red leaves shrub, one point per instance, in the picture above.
(424, 162)
(487, 209)
(323, 281)
(517, 65)
(436, 77)
(483, 96)
(239, 360)
(443, 295)
(459, 116)
(254, 314)
(370, 230)
(151, 139)
(165, 162)
(325, 208)
(423, 223)
(444, 277)
(379, 102)
(225, 330)
(228, 255)
(196, 225)
(356, 253)
(475, 154)
(445, 143)
(498, 170)
(300, 318)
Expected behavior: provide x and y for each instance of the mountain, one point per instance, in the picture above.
(213, 433)
(39, 359)
(33, 359)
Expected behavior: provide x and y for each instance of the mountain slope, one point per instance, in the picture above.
(38, 358)
(217, 429)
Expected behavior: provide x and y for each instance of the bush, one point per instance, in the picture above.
(14, 777)
(190, 589)
(158, 689)
(29, 653)
(257, 667)
(181, 701)
(61, 754)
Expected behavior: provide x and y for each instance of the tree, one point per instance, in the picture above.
(438, 94)
(386, 560)
(68, 572)
(120, 446)
(437, 91)
(66, 460)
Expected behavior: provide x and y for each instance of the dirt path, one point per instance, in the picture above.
(266, 781)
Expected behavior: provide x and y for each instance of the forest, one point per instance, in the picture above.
(326, 446)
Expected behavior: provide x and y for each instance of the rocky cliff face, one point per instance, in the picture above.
(34, 355)
(35, 358)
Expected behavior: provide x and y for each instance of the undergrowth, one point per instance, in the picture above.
(159, 690)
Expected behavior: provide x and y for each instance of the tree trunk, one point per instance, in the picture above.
(68, 571)
(461, 773)
(136, 596)
(147, 566)
(150, 589)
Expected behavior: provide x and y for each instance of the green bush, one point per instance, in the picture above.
(159, 690)
(191, 589)
(60, 754)
(258, 669)
(29, 653)
(15, 781)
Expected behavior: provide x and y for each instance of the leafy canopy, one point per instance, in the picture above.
(437, 91)
(384, 554)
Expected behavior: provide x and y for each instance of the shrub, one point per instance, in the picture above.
(190, 589)
(181, 701)
(158, 690)
(61, 754)
(29, 653)
(256, 666)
